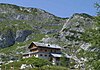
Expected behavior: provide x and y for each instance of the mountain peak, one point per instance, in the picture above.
(82, 15)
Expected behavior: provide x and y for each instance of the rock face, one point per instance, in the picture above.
(73, 29)
(21, 35)
(6, 39)
(75, 26)
(17, 23)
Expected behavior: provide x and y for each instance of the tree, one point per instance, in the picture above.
(92, 36)
(97, 6)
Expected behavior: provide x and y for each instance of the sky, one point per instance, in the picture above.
(60, 8)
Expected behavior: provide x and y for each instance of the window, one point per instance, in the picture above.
(40, 49)
(49, 55)
(41, 55)
(45, 55)
(55, 51)
(45, 50)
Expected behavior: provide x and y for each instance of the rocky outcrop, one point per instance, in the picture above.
(72, 30)
(75, 27)
(7, 39)
(21, 35)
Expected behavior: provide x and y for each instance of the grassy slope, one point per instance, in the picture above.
(37, 62)
(40, 64)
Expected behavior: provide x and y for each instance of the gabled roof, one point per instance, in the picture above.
(45, 45)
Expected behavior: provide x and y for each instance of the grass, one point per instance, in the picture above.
(40, 64)
(52, 27)
(14, 25)
(11, 49)
(37, 62)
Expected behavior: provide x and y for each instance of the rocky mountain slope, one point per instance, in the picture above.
(71, 35)
(20, 24)
(73, 28)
